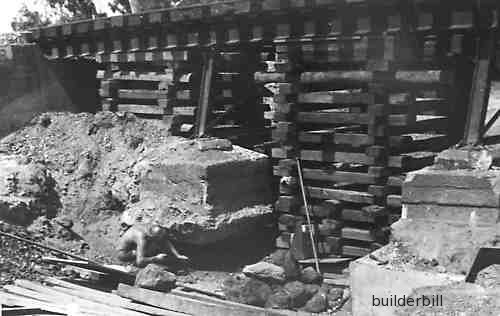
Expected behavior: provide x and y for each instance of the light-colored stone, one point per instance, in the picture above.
(454, 246)
(477, 159)
(26, 191)
(369, 280)
(468, 215)
(434, 176)
(265, 271)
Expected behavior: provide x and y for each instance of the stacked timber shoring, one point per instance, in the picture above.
(361, 91)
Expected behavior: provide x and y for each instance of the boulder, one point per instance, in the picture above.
(291, 266)
(266, 271)
(311, 276)
(155, 277)
(298, 293)
(279, 299)
(278, 257)
(246, 290)
(317, 304)
(26, 191)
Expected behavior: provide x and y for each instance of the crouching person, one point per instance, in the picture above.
(145, 244)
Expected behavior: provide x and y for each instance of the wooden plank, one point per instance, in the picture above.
(333, 137)
(480, 92)
(334, 156)
(394, 200)
(354, 251)
(16, 300)
(336, 117)
(356, 215)
(412, 161)
(141, 109)
(336, 97)
(358, 234)
(19, 311)
(342, 195)
(326, 261)
(135, 94)
(338, 176)
(116, 301)
(363, 76)
(193, 306)
(69, 299)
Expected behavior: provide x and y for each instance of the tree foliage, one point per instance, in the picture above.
(27, 19)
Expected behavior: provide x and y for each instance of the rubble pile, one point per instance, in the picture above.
(280, 282)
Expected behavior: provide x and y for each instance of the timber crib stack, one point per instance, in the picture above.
(360, 109)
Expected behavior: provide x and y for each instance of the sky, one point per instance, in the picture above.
(9, 9)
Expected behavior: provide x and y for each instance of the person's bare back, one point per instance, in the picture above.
(142, 245)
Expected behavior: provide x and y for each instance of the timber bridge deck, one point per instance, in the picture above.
(362, 91)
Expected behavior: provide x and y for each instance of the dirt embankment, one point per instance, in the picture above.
(90, 158)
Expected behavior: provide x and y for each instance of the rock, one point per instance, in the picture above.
(477, 159)
(291, 266)
(265, 271)
(155, 277)
(336, 297)
(311, 276)
(26, 190)
(298, 293)
(317, 304)
(279, 299)
(246, 290)
(312, 289)
(214, 144)
(278, 257)
(489, 277)
(64, 222)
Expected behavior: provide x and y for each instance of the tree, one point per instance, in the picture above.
(120, 6)
(27, 19)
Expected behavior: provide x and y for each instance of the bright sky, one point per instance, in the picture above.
(9, 9)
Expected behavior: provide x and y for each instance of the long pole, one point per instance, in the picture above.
(38, 245)
(308, 216)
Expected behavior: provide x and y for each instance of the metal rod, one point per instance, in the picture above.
(33, 243)
(308, 216)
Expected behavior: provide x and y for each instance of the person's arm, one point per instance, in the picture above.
(142, 260)
(174, 251)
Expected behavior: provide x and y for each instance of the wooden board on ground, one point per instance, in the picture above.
(196, 307)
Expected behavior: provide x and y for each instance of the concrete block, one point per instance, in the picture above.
(370, 280)
(434, 176)
(464, 159)
(472, 216)
(449, 196)
(453, 245)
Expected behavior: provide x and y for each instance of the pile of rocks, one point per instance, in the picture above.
(281, 283)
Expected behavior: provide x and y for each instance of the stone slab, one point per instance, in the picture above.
(460, 179)
(450, 196)
(473, 216)
(369, 280)
(453, 246)
(464, 159)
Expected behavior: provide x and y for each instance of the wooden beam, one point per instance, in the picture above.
(205, 91)
(195, 306)
(480, 92)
